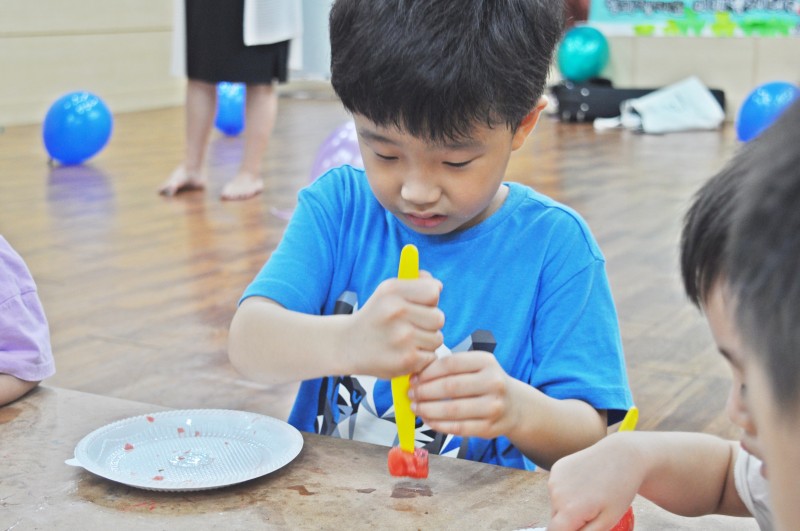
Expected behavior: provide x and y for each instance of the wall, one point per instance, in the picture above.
(316, 45)
(735, 65)
(119, 50)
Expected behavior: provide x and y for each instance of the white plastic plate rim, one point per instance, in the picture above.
(189, 449)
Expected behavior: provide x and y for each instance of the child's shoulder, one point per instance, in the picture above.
(343, 179)
(14, 275)
(342, 191)
(6, 251)
(533, 202)
(551, 220)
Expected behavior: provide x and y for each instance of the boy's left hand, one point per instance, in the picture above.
(468, 395)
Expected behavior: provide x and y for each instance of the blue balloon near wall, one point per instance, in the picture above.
(230, 108)
(762, 106)
(582, 54)
(77, 126)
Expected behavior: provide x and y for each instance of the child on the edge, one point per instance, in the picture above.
(441, 93)
(25, 354)
(764, 267)
(694, 474)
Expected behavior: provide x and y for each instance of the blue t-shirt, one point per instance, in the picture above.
(527, 284)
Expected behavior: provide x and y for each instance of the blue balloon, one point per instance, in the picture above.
(230, 108)
(762, 107)
(76, 127)
(582, 54)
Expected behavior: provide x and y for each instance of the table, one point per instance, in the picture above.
(332, 484)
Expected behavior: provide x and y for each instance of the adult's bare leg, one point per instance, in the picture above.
(201, 105)
(261, 109)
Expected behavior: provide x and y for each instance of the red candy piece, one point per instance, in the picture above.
(413, 465)
(626, 522)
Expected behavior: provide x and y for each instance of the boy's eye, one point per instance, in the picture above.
(457, 164)
(385, 157)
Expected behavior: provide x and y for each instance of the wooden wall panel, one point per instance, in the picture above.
(735, 65)
(119, 50)
(47, 17)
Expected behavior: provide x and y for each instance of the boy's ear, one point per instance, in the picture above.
(527, 124)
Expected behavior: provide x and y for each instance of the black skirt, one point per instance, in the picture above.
(215, 49)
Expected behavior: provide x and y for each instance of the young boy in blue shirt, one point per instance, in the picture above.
(732, 262)
(441, 94)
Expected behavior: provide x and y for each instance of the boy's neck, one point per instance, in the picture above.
(494, 206)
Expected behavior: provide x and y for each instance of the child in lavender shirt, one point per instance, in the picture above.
(25, 354)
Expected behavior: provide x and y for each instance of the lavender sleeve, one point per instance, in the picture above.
(25, 350)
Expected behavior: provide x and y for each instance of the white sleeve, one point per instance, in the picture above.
(753, 488)
(271, 21)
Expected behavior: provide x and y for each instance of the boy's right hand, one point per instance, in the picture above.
(591, 489)
(398, 329)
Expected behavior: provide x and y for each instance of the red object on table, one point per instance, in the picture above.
(626, 522)
(413, 465)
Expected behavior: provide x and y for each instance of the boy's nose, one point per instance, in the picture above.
(420, 190)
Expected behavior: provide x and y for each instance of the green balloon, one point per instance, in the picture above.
(582, 54)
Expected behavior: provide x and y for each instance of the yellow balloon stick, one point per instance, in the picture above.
(630, 420)
(404, 417)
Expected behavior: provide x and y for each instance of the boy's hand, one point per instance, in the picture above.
(592, 489)
(467, 394)
(398, 329)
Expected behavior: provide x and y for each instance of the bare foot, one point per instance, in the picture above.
(181, 181)
(243, 186)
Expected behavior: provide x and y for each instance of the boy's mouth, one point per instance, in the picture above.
(425, 222)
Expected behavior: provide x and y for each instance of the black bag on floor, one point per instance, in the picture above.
(583, 102)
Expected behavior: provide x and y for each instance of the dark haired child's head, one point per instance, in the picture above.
(435, 69)
(764, 270)
(705, 239)
(441, 93)
(765, 253)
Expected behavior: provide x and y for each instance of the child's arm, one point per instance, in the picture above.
(690, 474)
(469, 394)
(395, 333)
(12, 388)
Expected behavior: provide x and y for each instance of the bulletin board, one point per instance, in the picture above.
(721, 18)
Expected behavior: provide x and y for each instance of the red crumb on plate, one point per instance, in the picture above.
(128, 447)
(150, 419)
(158, 478)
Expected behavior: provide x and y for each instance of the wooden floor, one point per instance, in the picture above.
(140, 289)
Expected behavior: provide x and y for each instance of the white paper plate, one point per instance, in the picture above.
(192, 449)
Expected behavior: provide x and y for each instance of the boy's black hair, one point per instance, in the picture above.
(705, 232)
(436, 68)
(764, 255)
